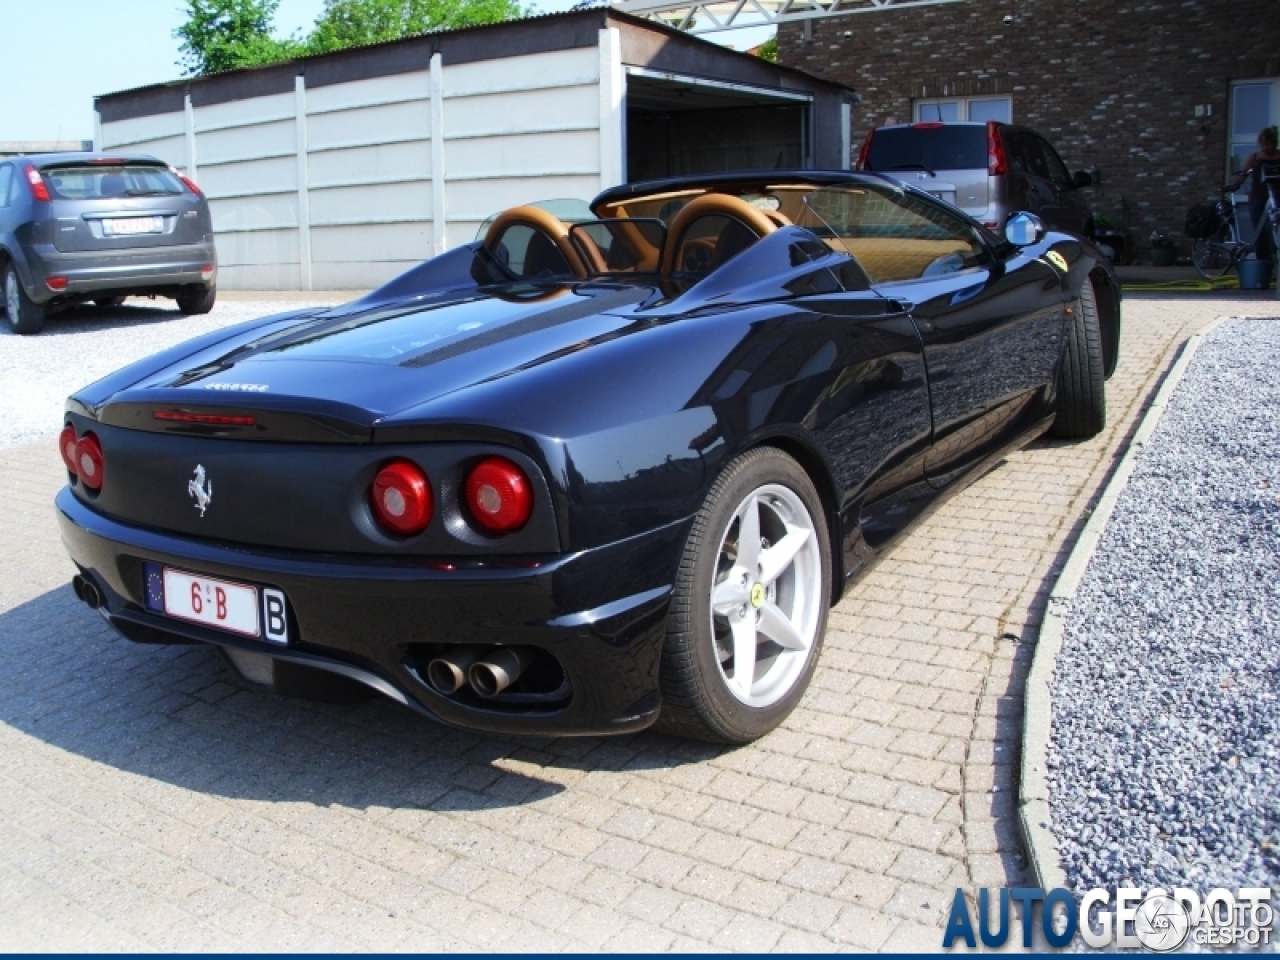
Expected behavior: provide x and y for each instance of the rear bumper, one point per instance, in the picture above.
(600, 613)
(119, 271)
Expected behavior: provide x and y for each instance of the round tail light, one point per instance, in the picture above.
(89, 461)
(67, 447)
(499, 495)
(402, 498)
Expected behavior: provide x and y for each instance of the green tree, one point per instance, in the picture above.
(768, 50)
(349, 23)
(225, 34)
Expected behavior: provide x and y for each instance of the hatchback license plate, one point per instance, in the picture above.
(128, 226)
(224, 605)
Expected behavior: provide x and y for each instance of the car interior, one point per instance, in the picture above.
(685, 235)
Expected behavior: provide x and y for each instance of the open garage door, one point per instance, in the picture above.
(678, 125)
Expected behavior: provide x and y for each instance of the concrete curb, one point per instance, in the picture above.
(1033, 799)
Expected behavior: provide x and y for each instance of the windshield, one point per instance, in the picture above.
(928, 147)
(111, 182)
(892, 233)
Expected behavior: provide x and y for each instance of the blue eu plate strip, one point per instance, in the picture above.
(153, 577)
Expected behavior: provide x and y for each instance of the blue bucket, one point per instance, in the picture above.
(1255, 274)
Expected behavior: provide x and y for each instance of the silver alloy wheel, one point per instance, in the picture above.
(11, 302)
(767, 600)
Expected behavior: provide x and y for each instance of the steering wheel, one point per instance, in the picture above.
(711, 204)
(542, 222)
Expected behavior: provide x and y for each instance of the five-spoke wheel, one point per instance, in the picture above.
(750, 603)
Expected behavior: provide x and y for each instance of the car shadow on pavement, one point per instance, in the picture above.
(85, 318)
(176, 714)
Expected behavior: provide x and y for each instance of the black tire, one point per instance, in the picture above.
(25, 315)
(196, 298)
(1081, 408)
(697, 701)
(108, 302)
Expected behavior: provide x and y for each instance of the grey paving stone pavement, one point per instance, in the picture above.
(149, 803)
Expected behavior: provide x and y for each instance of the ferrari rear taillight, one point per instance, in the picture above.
(401, 498)
(499, 495)
(89, 465)
(996, 162)
(67, 447)
(38, 188)
(865, 149)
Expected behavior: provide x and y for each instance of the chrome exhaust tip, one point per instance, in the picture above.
(87, 592)
(490, 676)
(448, 674)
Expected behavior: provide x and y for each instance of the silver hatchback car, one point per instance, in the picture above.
(989, 170)
(78, 227)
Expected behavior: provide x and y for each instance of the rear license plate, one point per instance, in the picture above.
(127, 226)
(224, 605)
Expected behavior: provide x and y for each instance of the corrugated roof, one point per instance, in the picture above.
(586, 8)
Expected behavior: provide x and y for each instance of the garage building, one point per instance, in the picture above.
(342, 170)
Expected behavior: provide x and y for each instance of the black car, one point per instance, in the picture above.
(78, 227)
(572, 478)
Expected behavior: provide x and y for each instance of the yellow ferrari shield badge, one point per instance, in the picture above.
(1058, 260)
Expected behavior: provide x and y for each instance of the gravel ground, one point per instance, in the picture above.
(78, 346)
(1165, 754)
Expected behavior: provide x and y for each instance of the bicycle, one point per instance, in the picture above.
(1217, 253)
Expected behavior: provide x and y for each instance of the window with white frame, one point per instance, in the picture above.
(1255, 104)
(953, 109)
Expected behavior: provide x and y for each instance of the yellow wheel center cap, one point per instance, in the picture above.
(757, 595)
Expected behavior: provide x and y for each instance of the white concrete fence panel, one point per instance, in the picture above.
(349, 184)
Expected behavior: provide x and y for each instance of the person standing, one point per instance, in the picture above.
(1262, 167)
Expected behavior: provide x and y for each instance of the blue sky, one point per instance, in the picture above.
(56, 55)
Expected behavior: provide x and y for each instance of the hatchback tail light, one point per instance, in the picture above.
(401, 498)
(39, 189)
(996, 162)
(864, 150)
(56, 284)
(89, 465)
(499, 495)
(67, 447)
(191, 184)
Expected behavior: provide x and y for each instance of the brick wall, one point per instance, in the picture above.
(1112, 85)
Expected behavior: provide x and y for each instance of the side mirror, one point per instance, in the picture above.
(1023, 229)
(1082, 178)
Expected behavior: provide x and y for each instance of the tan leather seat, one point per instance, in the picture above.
(550, 240)
(730, 242)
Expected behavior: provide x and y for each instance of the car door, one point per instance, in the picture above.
(1073, 210)
(827, 356)
(871, 414)
(991, 322)
(1036, 191)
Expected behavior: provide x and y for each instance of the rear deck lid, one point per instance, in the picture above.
(105, 205)
(335, 375)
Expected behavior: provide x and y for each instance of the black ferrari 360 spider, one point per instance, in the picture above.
(576, 478)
